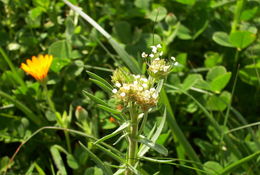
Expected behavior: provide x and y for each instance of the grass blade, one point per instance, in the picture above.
(129, 60)
(177, 133)
(12, 67)
(239, 163)
(22, 107)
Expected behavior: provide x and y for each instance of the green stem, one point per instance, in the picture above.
(58, 118)
(132, 149)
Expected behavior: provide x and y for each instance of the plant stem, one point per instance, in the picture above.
(58, 118)
(132, 148)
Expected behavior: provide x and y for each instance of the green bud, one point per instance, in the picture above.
(171, 19)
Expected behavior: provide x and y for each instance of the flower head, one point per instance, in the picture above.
(137, 89)
(38, 67)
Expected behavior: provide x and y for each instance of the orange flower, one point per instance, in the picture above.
(38, 67)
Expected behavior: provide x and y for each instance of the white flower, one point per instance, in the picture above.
(145, 85)
(151, 55)
(155, 95)
(176, 63)
(137, 76)
(173, 58)
(165, 68)
(154, 49)
(144, 55)
(161, 53)
(135, 82)
(157, 59)
(122, 94)
(152, 89)
(126, 87)
(159, 46)
(140, 88)
(114, 91)
(144, 79)
(118, 84)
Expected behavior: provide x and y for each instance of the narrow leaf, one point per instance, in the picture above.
(159, 148)
(58, 160)
(99, 162)
(155, 136)
(95, 76)
(94, 98)
(102, 85)
(120, 129)
(108, 109)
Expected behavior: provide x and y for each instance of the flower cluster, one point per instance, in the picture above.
(158, 67)
(137, 89)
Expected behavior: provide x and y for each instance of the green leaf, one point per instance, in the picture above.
(218, 78)
(222, 39)
(108, 109)
(250, 74)
(102, 86)
(58, 160)
(241, 39)
(93, 171)
(99, 162)
(59, 63)
(144, 149)
(123, 32)
(190, 80)
(213, 168)
(94, 98)
(184, 33)
(220, 82)
(187, 2)
(212, 59)
(72, 162)
(218, 103)
(60, 49)
(248, 13)
(158, 14)
(159, 148)
(117, 131)
(95, 76)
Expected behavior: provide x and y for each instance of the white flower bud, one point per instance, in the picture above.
(144, 79)
(157, 59)
(144, 55)
(151, 55)
(173, 58)
(159, 46)
(145, 85)
(122, 94)
(114, 91)
(154, 49)
(118, 84)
